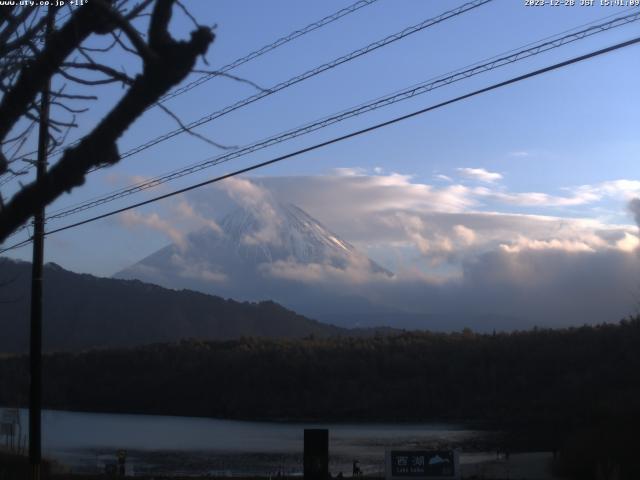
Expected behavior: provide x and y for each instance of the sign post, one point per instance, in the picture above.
(9, 421)
(122, 459)
(316, 454)
(422, 464)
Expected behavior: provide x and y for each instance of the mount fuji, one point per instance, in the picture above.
(276, 252)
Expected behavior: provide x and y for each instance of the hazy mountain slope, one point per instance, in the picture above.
(83, 311)
(278, 252)
(282, 254)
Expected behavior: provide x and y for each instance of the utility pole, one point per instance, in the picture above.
(35, 352)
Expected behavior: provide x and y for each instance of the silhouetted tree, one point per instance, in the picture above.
(70, 54)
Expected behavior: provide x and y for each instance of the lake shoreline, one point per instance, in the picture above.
(196, 447)
(86, 442)
(463, 423)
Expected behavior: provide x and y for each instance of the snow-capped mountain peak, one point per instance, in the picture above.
(289, 233)
(243, 254)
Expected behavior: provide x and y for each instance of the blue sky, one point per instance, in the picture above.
(574, 130)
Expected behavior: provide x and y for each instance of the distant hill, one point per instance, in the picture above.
(280, 253)
(277, 251)
(83, 311)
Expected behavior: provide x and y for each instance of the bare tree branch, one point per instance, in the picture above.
(195, 134)
(170, 63)
(61, 43)
(13, 24)
(68, 108)
(84, 81)
(23, 39)
(123, 45)
(232, 77)
(101, 49)
(110, 72)
(188, 14)
(138, 9)
(134, 37)
(74, 97)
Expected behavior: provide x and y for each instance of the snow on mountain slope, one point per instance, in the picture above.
(279, 253)
(294, 235)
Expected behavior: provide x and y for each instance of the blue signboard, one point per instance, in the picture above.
(424, 464)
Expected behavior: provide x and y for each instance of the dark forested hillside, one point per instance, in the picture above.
(537, 374)
(576, 389)
(82, 311)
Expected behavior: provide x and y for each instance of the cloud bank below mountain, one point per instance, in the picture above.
(457, 251)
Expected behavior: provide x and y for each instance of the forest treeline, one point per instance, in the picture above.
(413, 375)
(550, 385)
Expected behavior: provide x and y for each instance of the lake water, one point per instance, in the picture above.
(85, 442)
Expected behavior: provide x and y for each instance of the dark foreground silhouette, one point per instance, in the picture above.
(573, 391)
(107, 312)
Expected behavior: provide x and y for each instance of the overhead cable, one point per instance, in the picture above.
(345, 137)
(387, 100)
(230, 66)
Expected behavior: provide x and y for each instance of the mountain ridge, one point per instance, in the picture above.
(83, 311)
(273, 251)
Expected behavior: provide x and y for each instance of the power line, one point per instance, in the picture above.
(308, 74)
(17, 245)
(236, 63)
(292, 81)
(347, 136)
(390, 99)
(267, 48)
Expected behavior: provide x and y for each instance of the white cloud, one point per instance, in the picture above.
(524, 243)
(634, 208)
(188, 214)
(428, 240)
(153, 221)
(395, 210)
(349, 171)
(443, 224)
(467, 235)
(175, 223)
(621, 189)
(629, 243)
(345, 201)
(539, 199)
(453, 257)
(356, 271)
(197, 270)
(259, 200)
(244, 192)
(480, 174)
